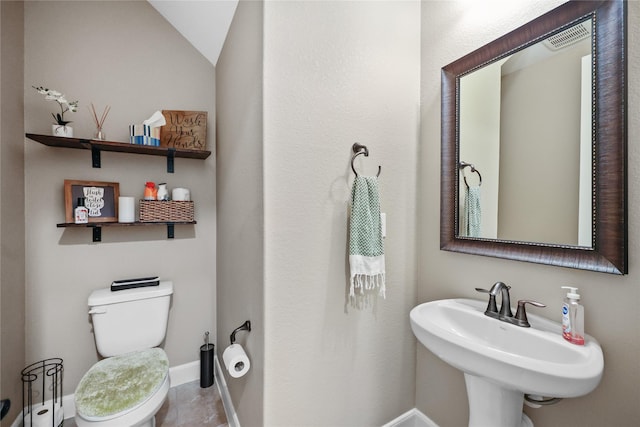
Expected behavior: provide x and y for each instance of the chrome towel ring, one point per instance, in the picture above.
(463, 165)
(357, 150)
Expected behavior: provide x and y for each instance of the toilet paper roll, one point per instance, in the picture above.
(43, 415)
(126, 209)
(236, 360)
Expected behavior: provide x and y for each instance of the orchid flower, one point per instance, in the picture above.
(54, 95)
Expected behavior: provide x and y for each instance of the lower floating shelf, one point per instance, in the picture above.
(97, 226)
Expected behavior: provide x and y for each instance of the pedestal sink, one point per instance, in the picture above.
(503, 362)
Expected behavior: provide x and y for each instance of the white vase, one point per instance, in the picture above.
(59, 130)
(163, 194)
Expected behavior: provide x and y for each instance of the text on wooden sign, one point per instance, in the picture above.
(184, 129)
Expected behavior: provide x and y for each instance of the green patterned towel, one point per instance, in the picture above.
(366, 250)
(472, 211)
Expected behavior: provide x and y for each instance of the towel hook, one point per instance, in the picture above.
(357, 150)
(463, 165)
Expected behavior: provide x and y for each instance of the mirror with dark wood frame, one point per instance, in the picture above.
(591, 237)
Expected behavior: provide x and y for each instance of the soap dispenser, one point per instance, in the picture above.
(81, 213)
(572, 317)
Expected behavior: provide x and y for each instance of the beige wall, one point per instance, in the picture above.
(449, 31)
(480, 143)
(540, 165)
(126, 55)
(12, 252)
(334, 73)
(240, 194)
(349, 74)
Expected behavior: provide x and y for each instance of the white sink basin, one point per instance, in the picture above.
(510, 358)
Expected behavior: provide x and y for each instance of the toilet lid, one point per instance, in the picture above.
(119, 384)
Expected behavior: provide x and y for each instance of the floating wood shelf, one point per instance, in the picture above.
(97, 146)
(97, 226)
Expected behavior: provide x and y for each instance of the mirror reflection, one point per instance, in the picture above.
(526, 144)
(545, 197)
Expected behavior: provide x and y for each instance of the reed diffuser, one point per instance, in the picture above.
(99, 123)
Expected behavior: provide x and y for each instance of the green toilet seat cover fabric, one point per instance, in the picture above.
(118, 384)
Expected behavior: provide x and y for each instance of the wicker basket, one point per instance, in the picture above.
(163, 211)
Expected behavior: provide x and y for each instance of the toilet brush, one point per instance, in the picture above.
(206, 362)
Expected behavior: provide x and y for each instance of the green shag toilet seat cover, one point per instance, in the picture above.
(118, 384)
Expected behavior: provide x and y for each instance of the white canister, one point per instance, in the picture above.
(181, 194)
(126, 209)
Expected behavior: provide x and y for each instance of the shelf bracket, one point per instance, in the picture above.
(171, 154)
(95, 156)
(97, 233)
(170, 230)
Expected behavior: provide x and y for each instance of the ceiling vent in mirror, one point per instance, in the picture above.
(568, 37)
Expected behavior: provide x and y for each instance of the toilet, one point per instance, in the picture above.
(130, 384)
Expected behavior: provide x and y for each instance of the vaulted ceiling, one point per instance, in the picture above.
(204, 23)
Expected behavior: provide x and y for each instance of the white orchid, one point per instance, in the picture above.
(54, 95)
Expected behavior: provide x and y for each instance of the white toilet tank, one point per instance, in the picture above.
(131, 319)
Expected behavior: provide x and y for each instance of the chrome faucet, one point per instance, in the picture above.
(505, 307)
(521, 313)
(492, 308)
(505, 313)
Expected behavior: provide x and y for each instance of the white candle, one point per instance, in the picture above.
(126, 209)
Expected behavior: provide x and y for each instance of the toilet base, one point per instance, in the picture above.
(148, 423)
(83, 423)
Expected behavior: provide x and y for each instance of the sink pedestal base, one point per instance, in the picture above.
(493, 405)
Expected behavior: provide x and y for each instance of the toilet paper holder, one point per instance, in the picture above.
(42, 393)
(246, 326)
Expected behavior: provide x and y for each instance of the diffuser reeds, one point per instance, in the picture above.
(99, 122)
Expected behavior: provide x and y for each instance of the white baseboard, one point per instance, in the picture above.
(229, 409)
(183, 374)
(411, 418)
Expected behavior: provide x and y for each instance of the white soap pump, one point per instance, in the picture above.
(572, 317)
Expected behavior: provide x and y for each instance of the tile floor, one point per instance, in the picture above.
(188, 405)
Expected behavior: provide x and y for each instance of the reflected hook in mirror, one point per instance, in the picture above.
(464, 165)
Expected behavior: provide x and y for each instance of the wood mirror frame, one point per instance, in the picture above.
(608, 254)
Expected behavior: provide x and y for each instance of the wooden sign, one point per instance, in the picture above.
(184, 129)
(101, 199)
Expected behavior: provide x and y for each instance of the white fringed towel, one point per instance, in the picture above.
(366, 249)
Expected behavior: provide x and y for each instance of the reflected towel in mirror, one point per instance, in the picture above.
(472, 211)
